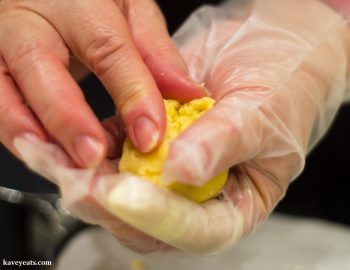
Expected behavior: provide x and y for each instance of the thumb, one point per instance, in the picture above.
(203, 151)
(247, 125)
(159, 52)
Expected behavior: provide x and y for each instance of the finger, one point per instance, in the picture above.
(115, 136)
(167, 216)
(200, 45)
(171, 218)
(126, 234)
(163, 59)
(15, 118)
(38, 63)
(202, 151)
(81, 190)
(99, 35)
(246, 128)
(201, 228)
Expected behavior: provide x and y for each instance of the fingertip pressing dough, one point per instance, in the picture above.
(149, 165)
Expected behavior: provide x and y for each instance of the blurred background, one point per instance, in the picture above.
(34, 225)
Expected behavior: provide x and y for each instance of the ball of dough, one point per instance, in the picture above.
(149, 165)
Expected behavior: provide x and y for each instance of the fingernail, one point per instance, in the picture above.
(183, 73)
(89, 150)
(18, 142)
(202, 90)
(202, 87)
(146, 134)
(29, 136)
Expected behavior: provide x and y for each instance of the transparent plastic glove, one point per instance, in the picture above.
(84, 191)
(279, 76)
(343, 8)
(278, 70)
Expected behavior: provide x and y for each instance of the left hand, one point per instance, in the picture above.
(278, 81)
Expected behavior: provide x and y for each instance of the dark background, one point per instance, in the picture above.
(322, 191)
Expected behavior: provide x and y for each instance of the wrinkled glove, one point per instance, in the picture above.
(343, 7)
(278, 71)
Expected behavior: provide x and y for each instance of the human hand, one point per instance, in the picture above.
(125, 43)
(278, 70)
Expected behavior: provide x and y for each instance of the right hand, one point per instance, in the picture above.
(124, 42)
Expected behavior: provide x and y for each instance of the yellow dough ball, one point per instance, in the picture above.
(150, 165)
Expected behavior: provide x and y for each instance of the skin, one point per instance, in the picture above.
(257, 180)
(261, 126)
(341, 5)
(45, 44)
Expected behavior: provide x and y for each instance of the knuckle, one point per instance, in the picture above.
(34, 53)
(125, 99)
(55, 114)
(28, 50)
(104, 51)
(228, 124)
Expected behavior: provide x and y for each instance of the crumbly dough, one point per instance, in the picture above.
(138, 265)
(149, 166)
